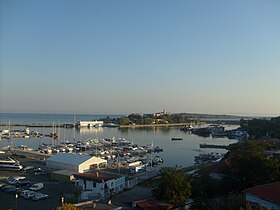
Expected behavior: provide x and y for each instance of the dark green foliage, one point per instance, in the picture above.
(148, 119)
(261, 127)
(250, 165)
(175, 186)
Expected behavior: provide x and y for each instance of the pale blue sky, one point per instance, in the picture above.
(123, 56)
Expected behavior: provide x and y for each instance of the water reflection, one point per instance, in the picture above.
(90, 130)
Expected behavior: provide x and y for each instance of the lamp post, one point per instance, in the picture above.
(62, 200)
(16, 200)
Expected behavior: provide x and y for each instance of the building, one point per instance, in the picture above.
(158, 114)
(94, 123)
(63, 175)
(100, 184)
(263, 197)
(74, 162)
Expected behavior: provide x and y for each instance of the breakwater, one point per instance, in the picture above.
(121, 126)
(38, 125)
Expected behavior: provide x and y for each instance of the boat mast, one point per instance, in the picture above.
(74, 131)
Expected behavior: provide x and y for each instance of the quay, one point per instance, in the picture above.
(38, 125)
(214, 146)
(160, 125)
(30, 153)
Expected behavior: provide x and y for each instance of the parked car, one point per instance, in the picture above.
(37, 186)
(28, 168)
(3, 188)
(22, 193)
(18, 191)
(23, 183)
(39, 171)
(2, 184)
(10, 189)
(15, 179)
(29, 195)
(39, 196)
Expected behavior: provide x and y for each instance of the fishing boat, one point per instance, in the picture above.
(177, 139)
(10, 164)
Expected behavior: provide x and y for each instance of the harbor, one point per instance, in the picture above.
(187, 146)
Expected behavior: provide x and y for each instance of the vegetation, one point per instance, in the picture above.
(175, 186)
(250, 165)
(69, 206)
(247, 164)
(261, 127)
(148, 119)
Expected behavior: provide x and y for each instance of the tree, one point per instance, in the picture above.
(175, 186)
(124, 121)
(250, 165)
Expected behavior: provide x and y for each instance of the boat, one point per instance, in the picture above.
(217, 134)
(158, 149)
(213, 157)
(187, 128)
(204, 132)
(177, 139)
(10, 164)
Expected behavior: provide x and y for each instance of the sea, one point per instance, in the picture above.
(175, 153)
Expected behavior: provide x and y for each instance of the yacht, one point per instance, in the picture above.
(10, 164)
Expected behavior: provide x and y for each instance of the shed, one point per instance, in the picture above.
(74, 162)
(63, 175)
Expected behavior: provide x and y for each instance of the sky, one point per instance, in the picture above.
(119, 57)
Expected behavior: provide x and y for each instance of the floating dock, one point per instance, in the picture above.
(215, 146)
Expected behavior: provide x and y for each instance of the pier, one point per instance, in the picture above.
(29, 153)
(213, 146)
(67, 125)
(39, 125)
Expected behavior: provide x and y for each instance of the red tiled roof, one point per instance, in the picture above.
(151, 204)
(269, 192)
(98, 177)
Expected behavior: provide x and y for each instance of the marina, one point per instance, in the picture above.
(89, 139)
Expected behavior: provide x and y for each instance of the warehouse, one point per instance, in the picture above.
(74, 162)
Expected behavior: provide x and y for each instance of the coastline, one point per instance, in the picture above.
(160, 125)
(121, 126)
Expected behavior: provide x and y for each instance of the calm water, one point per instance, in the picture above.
(50, 118)
(179, 153)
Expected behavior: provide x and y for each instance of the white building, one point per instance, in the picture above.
(74, 162)
(100, 184)
(94, 123)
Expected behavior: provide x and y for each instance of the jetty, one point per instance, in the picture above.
(30, 153)
(214, 146)
(38, 125)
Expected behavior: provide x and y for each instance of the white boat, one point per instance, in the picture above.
(10, 164)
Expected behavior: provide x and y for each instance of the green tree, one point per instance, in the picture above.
(250, 165)
(124, 121)
(175, 186)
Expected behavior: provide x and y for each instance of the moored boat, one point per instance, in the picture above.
(10, 164)
(176, 139)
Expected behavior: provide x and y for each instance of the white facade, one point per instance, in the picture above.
(94, 123)
(97, 186)
(74, 162)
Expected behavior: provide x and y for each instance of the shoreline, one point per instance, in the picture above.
(121, 126)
